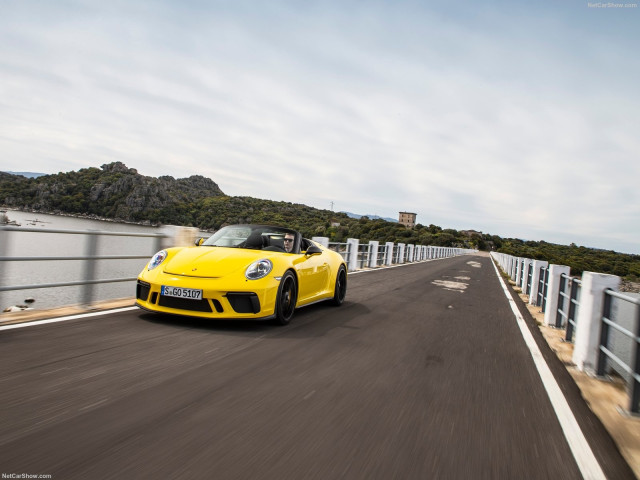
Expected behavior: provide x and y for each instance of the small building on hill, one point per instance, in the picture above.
(407, 219)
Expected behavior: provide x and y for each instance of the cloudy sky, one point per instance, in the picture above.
(519, 119)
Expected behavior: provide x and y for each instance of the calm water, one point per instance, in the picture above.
(35, 243)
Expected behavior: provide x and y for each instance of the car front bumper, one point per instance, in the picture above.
(244, 299)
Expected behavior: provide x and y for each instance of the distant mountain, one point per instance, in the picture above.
(112, 191)
(117, 192)
(28, 174)
(371, 217)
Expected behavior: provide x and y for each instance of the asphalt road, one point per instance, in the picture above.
(421, 374)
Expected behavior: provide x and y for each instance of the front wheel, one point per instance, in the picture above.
(287, 297)
(340, 290)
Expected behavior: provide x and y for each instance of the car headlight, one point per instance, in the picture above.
(259, 269)
(157, 259)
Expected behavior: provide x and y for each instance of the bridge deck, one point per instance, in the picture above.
(422, 373)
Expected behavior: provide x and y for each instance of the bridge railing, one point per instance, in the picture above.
(584, 307)
(572, 298)
(89, 259)
(364, 250)
(382, 254)
(341, 248)
(375, 254)
(606, 353)
(396, 254)
(543, 287)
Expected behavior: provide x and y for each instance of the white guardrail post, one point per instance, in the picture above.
(410, 249)
(525, 274)
(324, 241)
(512, 267)
(553, 293)
(373, 253)
(589, 321)
(535, 281)
(388, 254)
(352, 245)
(401, 253)
(519, 272)
(4, 252)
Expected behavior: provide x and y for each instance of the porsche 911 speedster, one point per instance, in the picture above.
(243, 272)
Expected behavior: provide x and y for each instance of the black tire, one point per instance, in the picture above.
(286, 300)
(340, 290)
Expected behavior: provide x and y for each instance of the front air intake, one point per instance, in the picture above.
(142, 290)
(244, 302)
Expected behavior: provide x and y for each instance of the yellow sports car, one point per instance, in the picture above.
(243, 271)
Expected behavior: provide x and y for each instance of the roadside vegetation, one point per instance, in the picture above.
(580, 259)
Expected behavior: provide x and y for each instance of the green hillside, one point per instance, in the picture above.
(117, 192)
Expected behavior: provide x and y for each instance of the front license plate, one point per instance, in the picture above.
(190, 293)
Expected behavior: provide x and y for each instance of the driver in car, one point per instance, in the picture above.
(288, 242)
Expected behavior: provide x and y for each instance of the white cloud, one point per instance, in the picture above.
(518, 122)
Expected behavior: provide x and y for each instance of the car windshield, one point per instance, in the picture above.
(256, 237)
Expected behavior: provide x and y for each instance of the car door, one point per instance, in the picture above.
(313, 275)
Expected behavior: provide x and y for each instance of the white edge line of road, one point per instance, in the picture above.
(67, 318)
(127, 309)
(586, 460)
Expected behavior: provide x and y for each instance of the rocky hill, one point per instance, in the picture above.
(112, 191)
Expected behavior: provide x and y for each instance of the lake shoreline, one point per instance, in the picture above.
(144, 223)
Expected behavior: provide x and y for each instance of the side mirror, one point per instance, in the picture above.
(313, 250)
(199, 241)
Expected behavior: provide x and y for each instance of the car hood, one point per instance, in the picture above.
(211, 262)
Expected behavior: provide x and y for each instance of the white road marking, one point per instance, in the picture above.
(67, 318)
(94, 404)
(586, 460)
(449, 285)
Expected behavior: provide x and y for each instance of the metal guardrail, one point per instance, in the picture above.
(364, 253)
(529, 279)
(568, 304)
(90, 257)
(382, 254)
(341, 248)
(543, 287)
(606, 354)
(396, 254)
